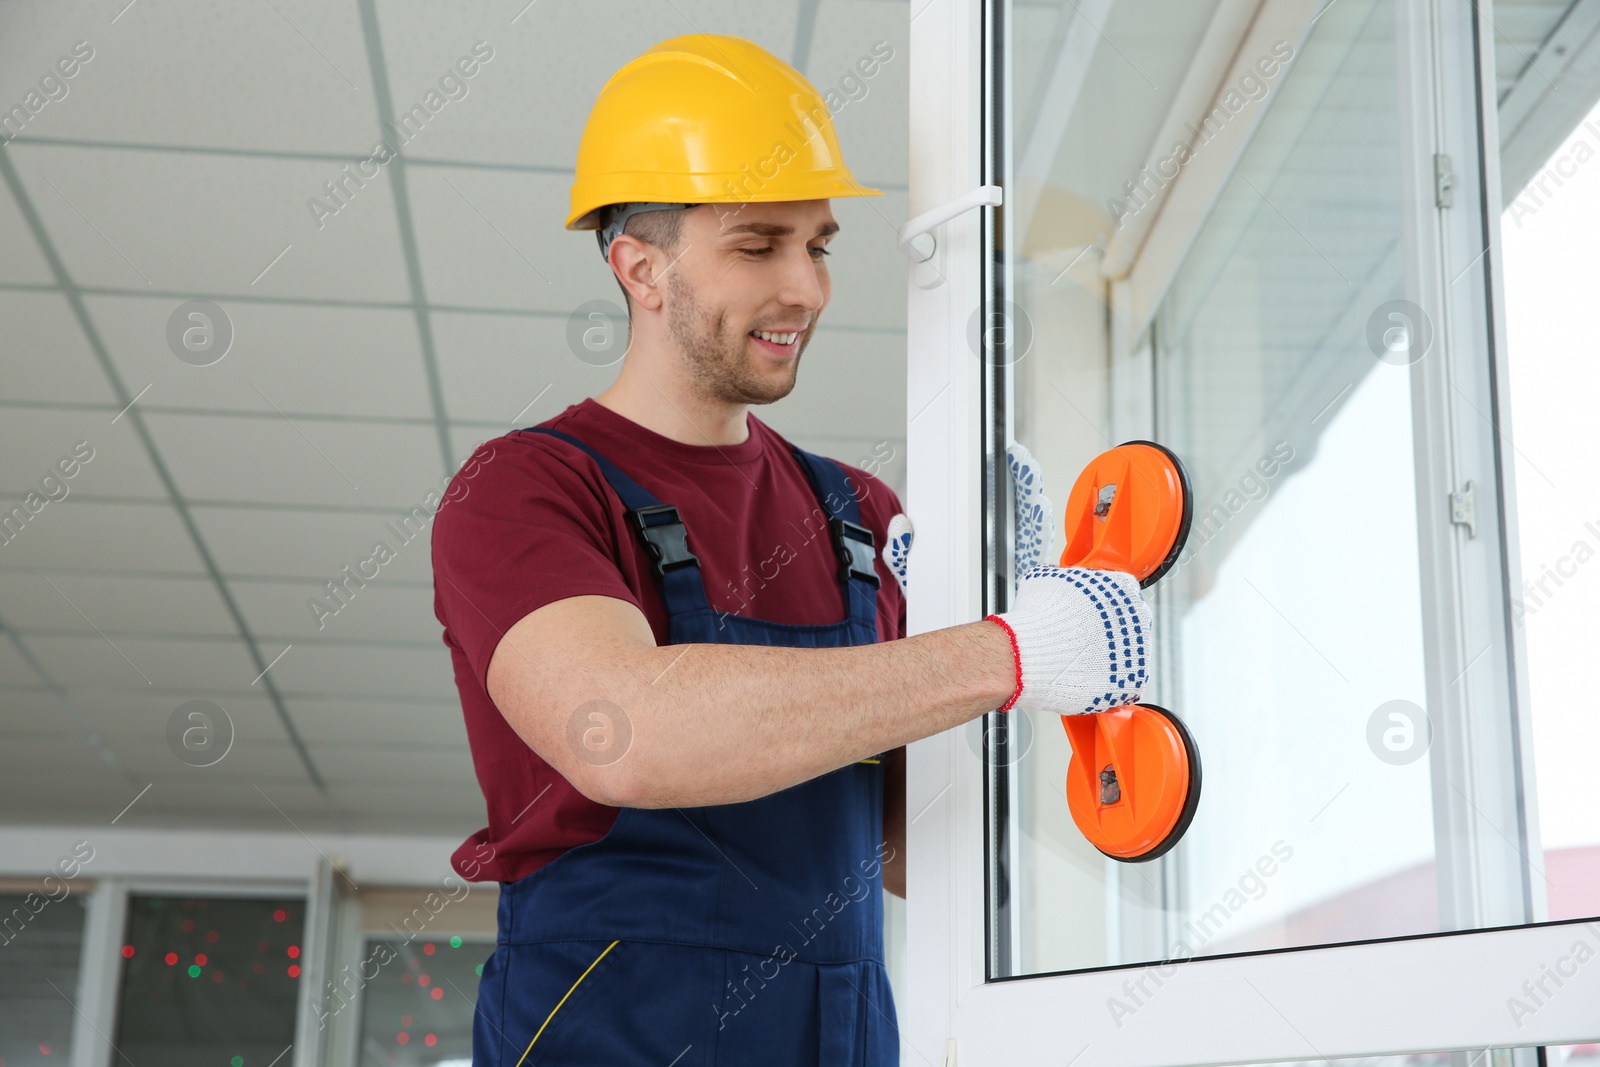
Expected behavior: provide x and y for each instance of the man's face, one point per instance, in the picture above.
(744, 270)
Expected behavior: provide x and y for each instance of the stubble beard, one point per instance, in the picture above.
(719, 363)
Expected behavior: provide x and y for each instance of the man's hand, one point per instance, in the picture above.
(897, 553)
(1035, 514)
(1035, 520)
(1080, 639)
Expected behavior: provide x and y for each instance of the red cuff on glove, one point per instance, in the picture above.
(1016, 656)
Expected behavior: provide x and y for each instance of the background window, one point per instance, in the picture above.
(209, 981)
(418, 1011)
(41, 940)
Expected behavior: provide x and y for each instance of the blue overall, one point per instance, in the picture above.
(745, 933)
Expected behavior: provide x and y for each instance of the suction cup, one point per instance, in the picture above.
(1129, 510)
(1134, 780)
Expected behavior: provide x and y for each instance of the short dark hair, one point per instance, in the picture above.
(662, 229)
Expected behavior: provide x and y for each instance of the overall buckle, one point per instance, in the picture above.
(667, 540)
(854, 545)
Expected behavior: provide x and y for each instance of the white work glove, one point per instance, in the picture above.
(1035, 515)
(1034, 527)
(898, 550)
(1079, 639)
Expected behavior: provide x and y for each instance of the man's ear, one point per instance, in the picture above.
(631, 259)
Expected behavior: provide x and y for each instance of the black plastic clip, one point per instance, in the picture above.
(857, 552)
(668, 540)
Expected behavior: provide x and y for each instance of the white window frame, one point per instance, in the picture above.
(1424, 993)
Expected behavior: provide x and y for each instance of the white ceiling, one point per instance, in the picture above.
(369, 356)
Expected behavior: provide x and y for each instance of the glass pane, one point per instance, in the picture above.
(1289, 634)
(1292, 642)
(1551, 263)
(209, 981)
(418, 1011)
(41, 939)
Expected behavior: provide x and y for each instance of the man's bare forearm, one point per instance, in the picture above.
(717, 724)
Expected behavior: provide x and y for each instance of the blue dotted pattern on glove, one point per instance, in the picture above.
(1031, 515)
(896, 553)
(1124, 634)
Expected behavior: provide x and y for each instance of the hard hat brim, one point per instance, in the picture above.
(696, 189)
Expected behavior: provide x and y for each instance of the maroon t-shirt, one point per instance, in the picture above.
(530, 520)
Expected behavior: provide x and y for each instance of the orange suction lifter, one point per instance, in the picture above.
(1134, 780)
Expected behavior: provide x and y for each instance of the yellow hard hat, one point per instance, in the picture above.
(707, 119)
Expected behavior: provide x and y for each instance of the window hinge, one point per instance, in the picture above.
(1444, 181)
(1464, 509)
(949, 1052)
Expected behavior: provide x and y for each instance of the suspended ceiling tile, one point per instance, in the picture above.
(77, 533)
(23, 263)
(495, 239)
(447, 66)
(860, 63)
(548, 65)
(35, 712)
(363, 719)
(203, 807)
(245, 761)
(298, 461)
(302, 358)
(312, 545)
(14, 669)
(291, 75)
(366, 672)
(377, 612)
(45, 445)
(521, 369)
(70, 759)
(47, 354)
(457, 820)
(199, 224)
(128, 714)
(374, 763)
(230, 801)
(116, 604)
(428, 807)
(40, 795)
(92, 660)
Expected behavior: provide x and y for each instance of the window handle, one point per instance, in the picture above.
(916, 238)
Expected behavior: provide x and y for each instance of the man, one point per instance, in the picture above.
(679, 651)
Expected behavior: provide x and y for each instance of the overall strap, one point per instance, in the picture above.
(853, 543)
(660, 529)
